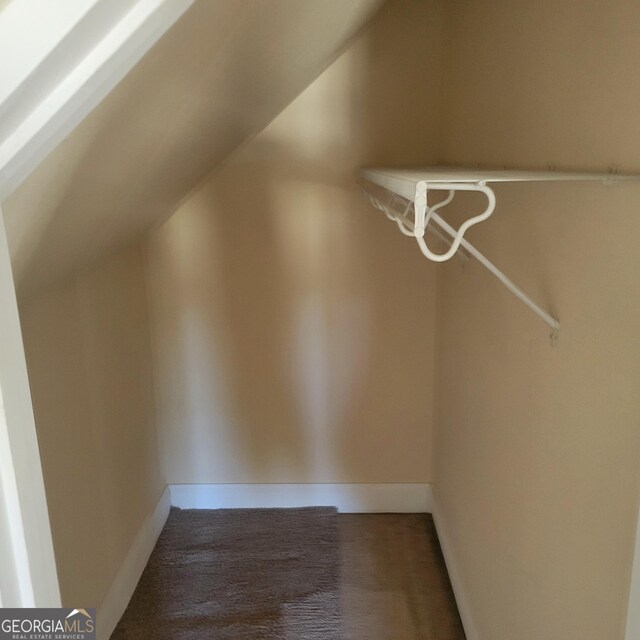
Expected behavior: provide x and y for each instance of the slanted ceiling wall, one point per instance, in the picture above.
(213, 81)
(295, 335)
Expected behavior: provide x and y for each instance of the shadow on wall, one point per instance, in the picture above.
(293, 336)
(298, 318)
(294, 327)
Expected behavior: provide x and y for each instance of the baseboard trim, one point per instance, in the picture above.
(126, 580)
(348, 498)
(632, 630)
(459, 591)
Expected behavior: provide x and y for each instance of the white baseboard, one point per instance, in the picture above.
(348, 498)
(124, 584)
(459, 590)
(632, 631)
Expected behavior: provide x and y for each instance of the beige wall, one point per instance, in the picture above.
(296, 335)
(293, 327)
(88, 354)
(537, 456)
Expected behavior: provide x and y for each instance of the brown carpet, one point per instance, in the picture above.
(293, 574)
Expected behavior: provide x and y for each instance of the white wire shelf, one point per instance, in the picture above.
(405, 200)
(404, 181)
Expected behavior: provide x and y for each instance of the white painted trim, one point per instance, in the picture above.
(84, 86)
(28, 574)
(348, 498)
(30, 31)
(632, 631)
(126, 580)
(448, 551)
(15, 576)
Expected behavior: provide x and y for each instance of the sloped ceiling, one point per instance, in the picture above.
(218, 77)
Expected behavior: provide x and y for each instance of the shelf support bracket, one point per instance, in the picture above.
(426, 217)
(423, 214)
(509, 284)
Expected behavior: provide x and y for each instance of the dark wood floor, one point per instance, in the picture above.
(394, 582)
(299, 574)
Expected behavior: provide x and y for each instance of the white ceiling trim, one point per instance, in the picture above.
(82, 85)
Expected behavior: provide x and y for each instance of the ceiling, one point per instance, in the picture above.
(217, 78)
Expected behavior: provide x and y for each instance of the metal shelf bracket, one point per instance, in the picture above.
(415, 217)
